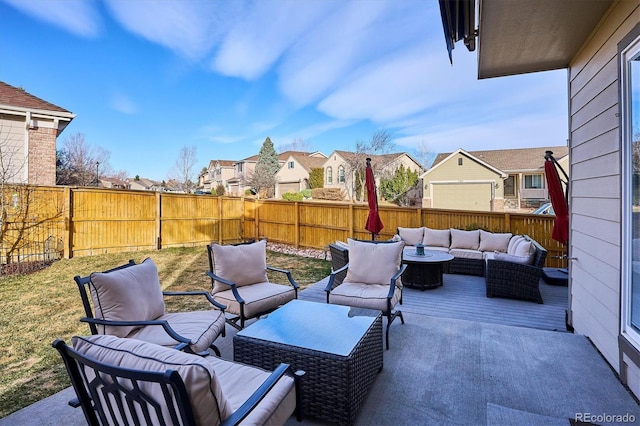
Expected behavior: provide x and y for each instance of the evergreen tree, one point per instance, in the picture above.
(263, 180)
(393, 189)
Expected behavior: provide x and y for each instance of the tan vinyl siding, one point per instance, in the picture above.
(470, 170)
(595, 172)
(12, 143)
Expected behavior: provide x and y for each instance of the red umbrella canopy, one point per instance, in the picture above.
(558, 201)
(374, 224)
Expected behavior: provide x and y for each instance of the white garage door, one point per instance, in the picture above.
(462, 196)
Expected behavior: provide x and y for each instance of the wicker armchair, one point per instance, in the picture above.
(339, 258)
(515, 280)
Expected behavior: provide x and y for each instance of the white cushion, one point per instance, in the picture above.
(490, 241)
(205, 393)
(129, 294)
(525, 260)
(364, 295)
(515, 240)
(243, 264)
(524, 248)
(466, 253)
(465, 239)
(373, 263)
(411, 236)
(436, 237)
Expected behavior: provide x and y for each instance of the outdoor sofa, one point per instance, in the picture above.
(511, 264)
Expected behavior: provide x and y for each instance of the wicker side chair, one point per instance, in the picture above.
(514, 280)
(127, 381)
(339, 258)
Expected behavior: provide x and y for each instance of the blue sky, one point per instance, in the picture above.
(147, 77)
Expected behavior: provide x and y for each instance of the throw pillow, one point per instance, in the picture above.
(411, 236)
(129, 294)
(525, 260)
(465, 239)
(242, 264)
(490, 241)
(436, 237)
(513, 242)
(373, 263)
(207, 401)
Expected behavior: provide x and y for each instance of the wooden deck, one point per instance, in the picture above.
(463, 297)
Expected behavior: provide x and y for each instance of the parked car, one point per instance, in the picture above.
(546, 208)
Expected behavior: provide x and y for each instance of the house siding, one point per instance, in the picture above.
(13, 146)
(595, 239)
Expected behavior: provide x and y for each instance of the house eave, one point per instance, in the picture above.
(518, 37)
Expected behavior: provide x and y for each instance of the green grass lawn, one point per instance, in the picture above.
(36, 309)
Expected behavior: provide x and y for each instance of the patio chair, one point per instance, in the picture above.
(339, 257)
(128, 301)
(372, 280)
(128, 381)
(239, 281)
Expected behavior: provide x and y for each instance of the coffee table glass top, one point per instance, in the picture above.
(322, 327)
(409, 254)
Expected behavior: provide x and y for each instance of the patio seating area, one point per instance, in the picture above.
(461, 358)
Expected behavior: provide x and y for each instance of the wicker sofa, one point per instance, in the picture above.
(512, 264)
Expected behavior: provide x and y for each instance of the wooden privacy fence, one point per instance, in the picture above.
(87, 221)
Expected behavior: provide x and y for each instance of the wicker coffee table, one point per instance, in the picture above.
(339, 348)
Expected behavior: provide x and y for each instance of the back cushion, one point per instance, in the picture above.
(465, 239)
(436, 237)
(243, 264)
(515, 240)
(207, 401)
(490, 241)
(129, 294)
(372, 263)
(411, 236)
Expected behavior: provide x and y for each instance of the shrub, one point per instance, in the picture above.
(220, 190)
(306, 193)
(316, 178)
(292, 196)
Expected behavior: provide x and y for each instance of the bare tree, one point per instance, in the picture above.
(380, 143)
(423, 154)
(80, 163)
(183, 171)
(297, 144)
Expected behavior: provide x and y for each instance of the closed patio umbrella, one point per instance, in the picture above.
(374, 224)
(558, 199)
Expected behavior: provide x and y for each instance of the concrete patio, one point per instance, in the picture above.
(462, 358)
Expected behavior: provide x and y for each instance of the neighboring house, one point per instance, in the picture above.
(339, 174)
(243, 171)
(29, 127)
(598, 42)
(218, 173)
(143, 184)
(495, 180)
(107, 182)
(293, 175)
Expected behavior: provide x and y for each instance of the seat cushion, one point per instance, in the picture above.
(465, 239)
(258, 298)
(466, 253)
(364, 295)
(239, 381)
(525, 260)
(129, 294)
(201, 327)
(490, 241)
(243, 264)
(437, 237)
(207, 397)
(411, 236)
(373, 263)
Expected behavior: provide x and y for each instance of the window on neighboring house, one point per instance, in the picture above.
(630, 123)
(510, 186)
(460, 161)
(239, 165)
(533, 181)
(341, 174)
(329, 175)
(290, 165)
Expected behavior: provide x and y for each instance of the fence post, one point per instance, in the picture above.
(297, 226)
(507, 222)
(67, 236)
(257, 215)
(220, 227)
(351, 220)
(419, 213)
(158, 221)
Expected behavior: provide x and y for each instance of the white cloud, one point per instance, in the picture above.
(123, 103)
(189, 28)
(78, 17)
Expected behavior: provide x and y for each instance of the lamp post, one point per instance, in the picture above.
(97, 175)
